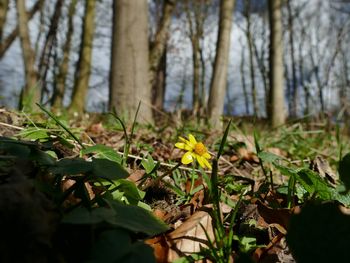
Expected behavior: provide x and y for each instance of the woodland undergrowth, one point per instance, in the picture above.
(95, 188)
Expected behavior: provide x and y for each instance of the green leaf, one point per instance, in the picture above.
(344, 170)
(15, 148)
(71, 166)
(223, 140)
(108, 170)
(131, 192)
(137, 219)
(83, 216)
(115, 246)
(149, 165)
(103, 152)
(314, 184)
(269, 157)
(129, 217)
(33, 133)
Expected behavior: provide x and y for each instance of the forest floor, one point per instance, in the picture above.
(92, 189)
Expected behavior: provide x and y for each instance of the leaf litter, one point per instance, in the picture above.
(273, 190)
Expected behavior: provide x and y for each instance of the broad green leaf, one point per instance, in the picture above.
(131, 192)
(108, 170)
(42, 158)
(133, 218)
(116, 246)
(103, 152)
(71, 166)
(137, 219)
(83, 216)
(314, 184)
(15, 148)
(33, 133)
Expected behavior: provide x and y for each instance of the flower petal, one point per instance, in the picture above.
(182, 139)
(206, 155)
(200, 161)
(180, 145)
(207, 164)
(192, 140)
(187, 158)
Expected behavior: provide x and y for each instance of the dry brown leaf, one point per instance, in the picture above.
(189, 237)
(160, 248)
(135, 176)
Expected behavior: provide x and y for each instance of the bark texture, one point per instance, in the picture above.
(3, 13)
(57, 100)
(129, 76)
(276, 101)
(31, 92)
(219, 79)
(160, 40)
(7, 42)
(83, 71)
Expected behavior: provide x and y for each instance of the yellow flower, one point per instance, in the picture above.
(195, 151)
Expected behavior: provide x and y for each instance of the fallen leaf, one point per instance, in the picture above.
(189, 237)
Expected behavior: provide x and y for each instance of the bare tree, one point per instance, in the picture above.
(60, 79)
(219, 78)
(276, 97)
(49, 43)
(7, 42)
(157, 55)
(31, 92)
(83, 70)
(129, 74)
(249, 36)
(4, 4)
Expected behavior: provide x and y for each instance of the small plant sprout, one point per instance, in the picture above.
(195, 151)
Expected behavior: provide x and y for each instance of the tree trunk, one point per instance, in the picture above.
(31, 92)
(249, 37)
(6, 43)
(294, 93)
(219, 78)
(277, 102)
(244, 85)
(57, 99)
(83, 71)
(129, 74)
(4, 4)
(158, 86)
(48, 44)
(160, 40)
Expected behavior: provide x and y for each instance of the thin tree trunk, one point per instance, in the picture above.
(249, 37)
(244, 84)
(159, 85)
(203, 94)
(261, 66)
(57, 99)
(294, 93)
(219, 78)
(31, 92)
(83, 71)
(277, 102)
(48, 44)
(6, 43)
(4, 4)
(158, 46)
(129, 74)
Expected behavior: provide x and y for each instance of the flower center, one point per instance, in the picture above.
(200, 149)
